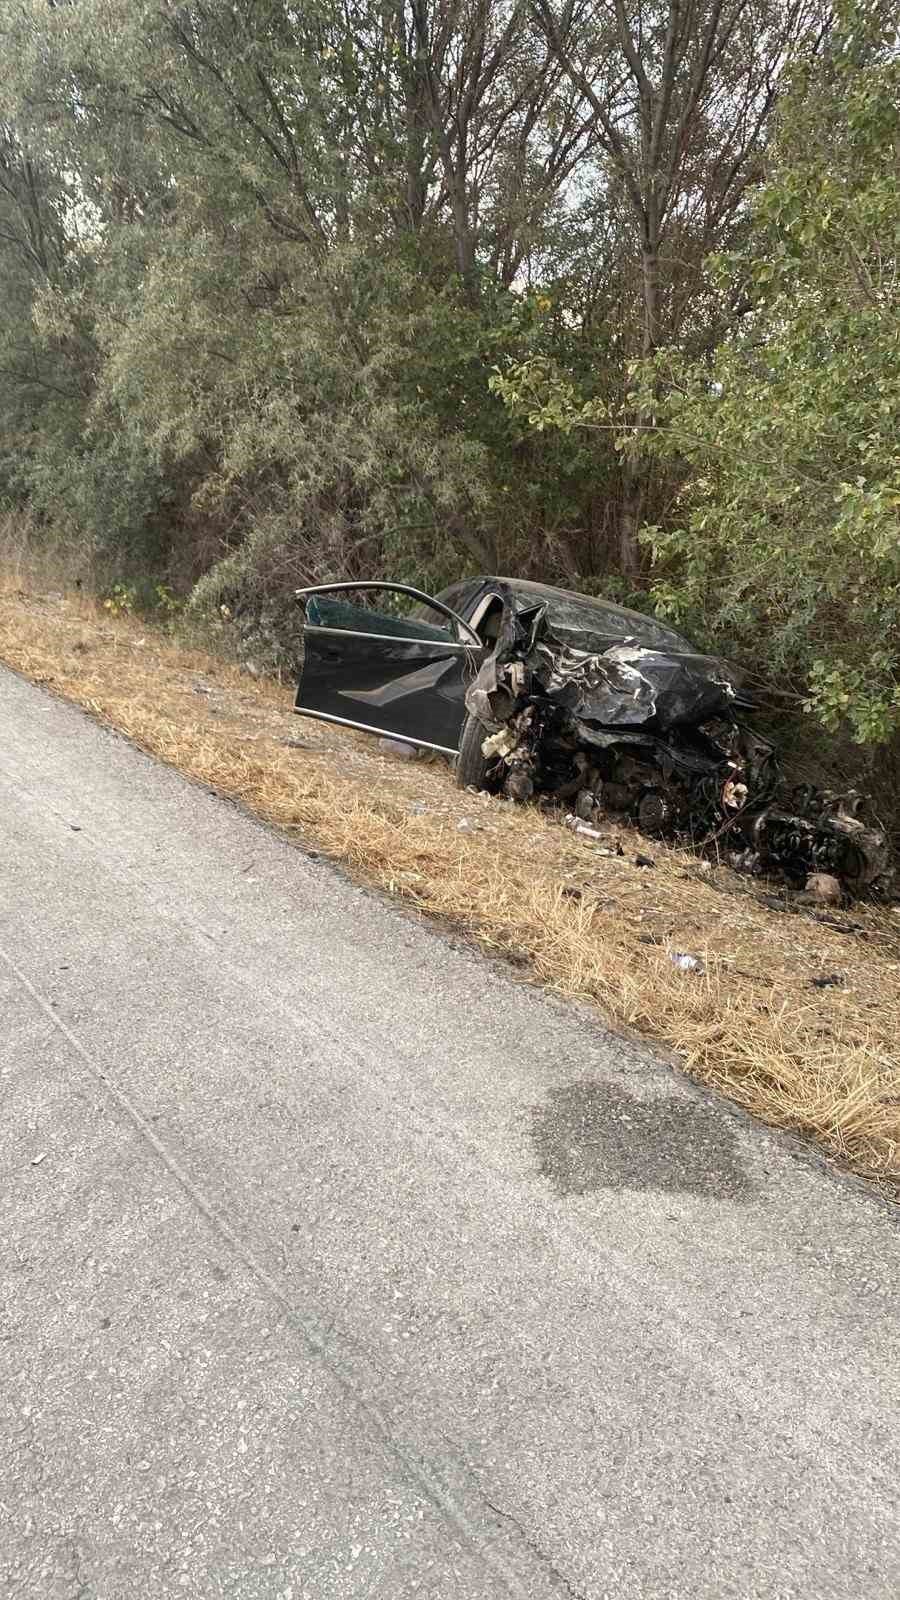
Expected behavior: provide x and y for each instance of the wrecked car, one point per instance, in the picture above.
(543, 692)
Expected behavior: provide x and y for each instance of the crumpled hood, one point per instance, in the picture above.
(630, 686)
(624, 686)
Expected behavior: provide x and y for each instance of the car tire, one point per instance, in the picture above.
(472, 764)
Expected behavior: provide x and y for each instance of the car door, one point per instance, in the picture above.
(368, 664)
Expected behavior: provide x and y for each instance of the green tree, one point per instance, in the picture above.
(788, 542)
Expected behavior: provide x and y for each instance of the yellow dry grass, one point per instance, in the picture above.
(592, 925)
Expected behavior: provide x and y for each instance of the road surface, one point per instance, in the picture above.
(336, 1262)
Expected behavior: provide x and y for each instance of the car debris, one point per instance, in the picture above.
(580, 826)
(686, 963)
(657, 735)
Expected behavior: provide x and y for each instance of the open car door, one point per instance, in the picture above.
(386, 658)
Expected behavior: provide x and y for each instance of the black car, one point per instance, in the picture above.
(390, 660)
(535, 690)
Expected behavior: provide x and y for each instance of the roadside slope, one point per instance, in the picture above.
(823, 1061)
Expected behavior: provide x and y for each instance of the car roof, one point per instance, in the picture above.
(630, 623)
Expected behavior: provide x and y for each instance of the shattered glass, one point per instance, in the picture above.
(656, 735)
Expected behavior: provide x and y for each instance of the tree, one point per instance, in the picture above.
(791, 436)
(681, 93)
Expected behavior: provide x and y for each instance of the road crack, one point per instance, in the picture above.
(537, 1551)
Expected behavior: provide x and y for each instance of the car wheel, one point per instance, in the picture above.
(472, 766)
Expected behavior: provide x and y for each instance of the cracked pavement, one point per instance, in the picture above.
(337, 1262)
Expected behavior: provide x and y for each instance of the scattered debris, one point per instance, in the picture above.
(579, 826)
(36, 1160)
(685, 962)
(611, 845)
(655, 735)
(838, 926)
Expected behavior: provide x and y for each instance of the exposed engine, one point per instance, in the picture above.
(658, 737)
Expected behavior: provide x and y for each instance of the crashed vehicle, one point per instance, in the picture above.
(539, 691)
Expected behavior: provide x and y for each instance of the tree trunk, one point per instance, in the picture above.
(464, 240)
(637, 465)
(630, 517)
(650, 292)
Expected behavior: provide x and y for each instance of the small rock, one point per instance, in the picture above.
(828, 980)
(397, 748)
(823, 889)
(644, 861)
(519, 787)
(296, 744)
(251, 669)
(469, 825)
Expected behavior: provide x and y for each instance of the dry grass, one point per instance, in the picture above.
(824, 1062)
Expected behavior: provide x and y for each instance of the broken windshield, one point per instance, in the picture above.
(599, 619)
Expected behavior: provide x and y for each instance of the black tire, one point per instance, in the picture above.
(472, 766)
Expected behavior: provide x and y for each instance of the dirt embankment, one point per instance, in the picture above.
(793, 1014)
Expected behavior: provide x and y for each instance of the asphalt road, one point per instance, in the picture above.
(335, 1262)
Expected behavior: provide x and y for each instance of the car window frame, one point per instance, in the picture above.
(463, 627)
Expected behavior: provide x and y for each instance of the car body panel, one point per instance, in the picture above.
(401, 677)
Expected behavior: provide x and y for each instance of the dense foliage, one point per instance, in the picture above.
(782, 543)
(789, 520)
(601, 293)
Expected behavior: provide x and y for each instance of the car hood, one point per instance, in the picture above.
(627, 685)
(630, 686)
